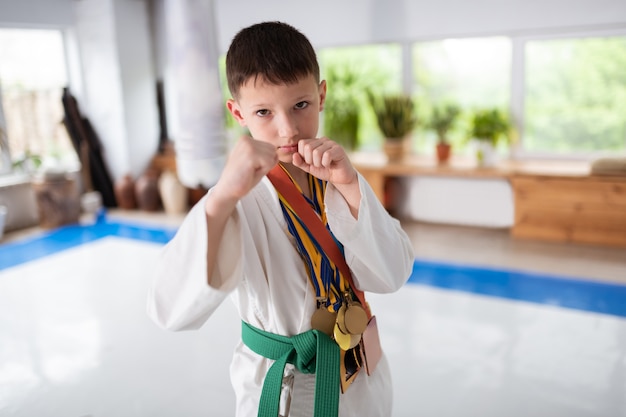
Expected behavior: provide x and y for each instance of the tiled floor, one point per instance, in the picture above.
(75, 341)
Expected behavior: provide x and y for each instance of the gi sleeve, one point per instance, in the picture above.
(180, 297)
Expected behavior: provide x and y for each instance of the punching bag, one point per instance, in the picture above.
(195, 100)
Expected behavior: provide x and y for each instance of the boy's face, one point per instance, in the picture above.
(280, 114)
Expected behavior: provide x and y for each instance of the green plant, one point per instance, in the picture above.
(28, 162)
(341, 110)
(442, 119)
(395, 114)
(490, 125)
(341, 122)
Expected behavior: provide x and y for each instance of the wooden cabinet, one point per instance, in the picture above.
(589, 209)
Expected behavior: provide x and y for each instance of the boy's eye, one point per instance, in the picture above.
(302, 105)
(262, 112)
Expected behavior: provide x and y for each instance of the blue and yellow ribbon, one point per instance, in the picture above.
(325, 277)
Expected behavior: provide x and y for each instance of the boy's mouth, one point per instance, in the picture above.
(289, 148)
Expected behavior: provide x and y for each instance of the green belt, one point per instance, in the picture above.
(312, 352)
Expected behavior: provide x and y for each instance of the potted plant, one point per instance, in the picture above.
(341, 110)
(442, 119)
(489, 127)
(395, 116)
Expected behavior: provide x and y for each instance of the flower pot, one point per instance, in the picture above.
(486, 156)
(395, 149)
(443, 152)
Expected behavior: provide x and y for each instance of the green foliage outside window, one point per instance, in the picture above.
(575, 96)
(352, 71)
(341, 111)
(473, 73)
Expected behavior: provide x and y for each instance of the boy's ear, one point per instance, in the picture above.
(322, 91)
(234, 109)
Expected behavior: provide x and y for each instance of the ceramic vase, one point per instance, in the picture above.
(147, 191)
(173, 193)
(394, 149)
(125, 193)
(486, 155)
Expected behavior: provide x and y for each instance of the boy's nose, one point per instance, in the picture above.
(287, 126)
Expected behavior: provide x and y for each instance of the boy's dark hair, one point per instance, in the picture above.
(274, 51)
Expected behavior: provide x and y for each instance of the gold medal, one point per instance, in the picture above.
(346, 341)
(355, 319)
(323, 320)
(341, 319)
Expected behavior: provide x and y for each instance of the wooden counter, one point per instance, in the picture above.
(589, 209)
(554, 200)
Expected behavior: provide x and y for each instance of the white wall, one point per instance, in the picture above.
(36, 13)
(95, 28)
(347, 22)
(138, 83)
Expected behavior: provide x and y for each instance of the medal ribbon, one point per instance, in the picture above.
(326, 278)
(330, 247)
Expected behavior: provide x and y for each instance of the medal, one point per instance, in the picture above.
(345, 341)
(354, 318)
(323, 320)
(341, 318)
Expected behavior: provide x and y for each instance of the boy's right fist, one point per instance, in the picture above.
(247, 163)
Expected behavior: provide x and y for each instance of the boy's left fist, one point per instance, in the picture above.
(324, 159)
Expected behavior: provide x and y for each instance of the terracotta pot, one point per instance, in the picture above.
(443, 152)
(147, 191)
(125, 193)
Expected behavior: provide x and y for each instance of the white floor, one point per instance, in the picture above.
(75, 342)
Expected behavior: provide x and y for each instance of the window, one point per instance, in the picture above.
(575, 96)
(32, 77)
(473, 73)
(568, 94)
(350, 72)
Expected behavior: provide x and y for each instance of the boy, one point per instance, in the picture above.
(243, 240)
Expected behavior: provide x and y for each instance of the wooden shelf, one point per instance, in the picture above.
(554, 200)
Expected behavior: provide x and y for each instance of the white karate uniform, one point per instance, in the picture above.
(259, 267)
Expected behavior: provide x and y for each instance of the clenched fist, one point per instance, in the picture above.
(326, 160)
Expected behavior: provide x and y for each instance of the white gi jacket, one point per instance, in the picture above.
(259, 267)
